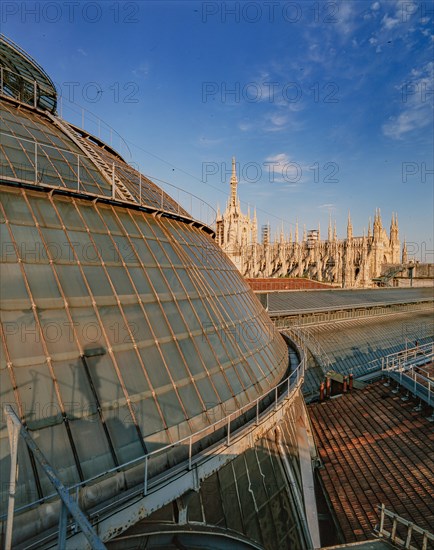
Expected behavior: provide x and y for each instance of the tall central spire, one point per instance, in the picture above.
(234, 183)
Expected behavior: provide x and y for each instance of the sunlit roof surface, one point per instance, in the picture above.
(124, 327)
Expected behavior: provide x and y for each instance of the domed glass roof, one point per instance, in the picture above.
(124, 326)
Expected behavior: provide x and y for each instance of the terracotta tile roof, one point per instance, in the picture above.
(375, 449)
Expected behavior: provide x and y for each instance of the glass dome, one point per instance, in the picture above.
(124, 326)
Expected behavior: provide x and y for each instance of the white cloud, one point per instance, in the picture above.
(389, 22)
(328, 206)
(417, 112)
(345, 19)
(406, 122)
(375, 6)
(279, 119)
(142, 70)
(282, 169)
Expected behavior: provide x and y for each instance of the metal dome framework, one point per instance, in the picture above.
(128, 338)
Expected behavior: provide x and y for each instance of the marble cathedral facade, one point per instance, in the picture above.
(350, 262)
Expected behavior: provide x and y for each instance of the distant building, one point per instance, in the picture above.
(350, 262)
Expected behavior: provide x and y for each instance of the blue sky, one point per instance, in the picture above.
(327, 106)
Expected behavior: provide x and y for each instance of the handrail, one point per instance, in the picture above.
(88, 118)
(15, 428)
(199, 209)
(402, 368)
(337, 307)
(392, 534)
(280, 391)
(28, 57)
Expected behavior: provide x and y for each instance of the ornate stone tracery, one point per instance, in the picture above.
(350, 262)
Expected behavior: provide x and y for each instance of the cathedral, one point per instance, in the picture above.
(350, 262)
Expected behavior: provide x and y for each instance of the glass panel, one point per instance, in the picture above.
(221, 387)
(132, 372)
(44, 211)
(143, 251)
(155, 367)
(12, 285)
(173, 281)
(38, 396)
(23, 338)
(71, 280)
(7, 248)
(137, 324)
(192, 358)
(190, 400)
(125, 250)
(159, 325)
(57, 245)
(89, 331)
(207, 393)
(56, 447)
(174, 317)
(42, 281)
(16, 209)
(106, 248)
(92, 445)
(158, 252)
(171, 408)
(120, 280)
(114, 325)
(202, 313)
(105, 380)
(157, 280)
(83, 247)
(189, 316)
(97, 280)
(205, 351)
(173, 256)
(186, 280)
(57, 330)
(74, 386)
(29, 244)
(148, 418)
(109, 218)
(140, 280)
(174, 361)
(233, 380)
(129, 226)
(69, 214)
(93, 221)
(123, 434)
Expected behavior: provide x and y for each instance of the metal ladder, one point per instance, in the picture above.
(103, 167)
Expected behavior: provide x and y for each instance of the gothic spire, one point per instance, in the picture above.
(234, 184)
(349, 227)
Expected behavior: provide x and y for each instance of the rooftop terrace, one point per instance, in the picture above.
(375, 448)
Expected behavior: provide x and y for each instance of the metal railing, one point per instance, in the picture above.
(401, 367)
(410, 531)
(192, 449)
(94, 125)
(308, 340)
(72, 170)
(366, 306)
(69, 505)
(26, 90)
